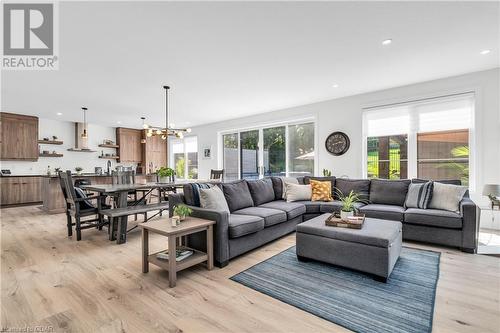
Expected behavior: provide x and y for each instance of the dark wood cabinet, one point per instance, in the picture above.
(20, 190)
(129, 141)
(19, 137)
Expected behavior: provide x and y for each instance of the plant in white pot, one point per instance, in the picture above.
(182, 211)
(348, 202)
(165, 174)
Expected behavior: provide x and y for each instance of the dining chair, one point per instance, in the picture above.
(128, 177)
(79, 206)
(217, 174)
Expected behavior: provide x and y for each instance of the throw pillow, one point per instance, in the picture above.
(419, 195)
(321, 191)
(85, 204)
(213, 198)
(447, 197)
(288, 180)
(295, 192)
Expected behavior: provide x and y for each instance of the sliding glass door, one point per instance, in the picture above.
(269, 151)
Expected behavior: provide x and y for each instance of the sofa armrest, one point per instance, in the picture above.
(470, 225)
(174, 199)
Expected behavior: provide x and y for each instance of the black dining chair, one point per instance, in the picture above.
(128, 177)
(79, 206)
(217, 174)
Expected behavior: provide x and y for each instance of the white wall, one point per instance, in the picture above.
(65, 131)
(344, 114)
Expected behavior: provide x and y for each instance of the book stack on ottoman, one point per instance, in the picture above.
(373, 249)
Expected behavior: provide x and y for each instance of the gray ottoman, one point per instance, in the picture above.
(373, 249)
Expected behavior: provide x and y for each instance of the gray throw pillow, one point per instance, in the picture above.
(296, 192)
(261, 190)
(237, 195)
(213, 198)
(419, 195)
(389, 192)
(447, 197)
(287, 180)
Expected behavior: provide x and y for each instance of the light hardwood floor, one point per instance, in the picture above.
(94, 285)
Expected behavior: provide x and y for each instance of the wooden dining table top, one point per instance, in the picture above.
(110, 188)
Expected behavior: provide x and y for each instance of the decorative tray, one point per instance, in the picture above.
(356, 222)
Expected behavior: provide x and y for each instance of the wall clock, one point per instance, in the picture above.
(337, 143)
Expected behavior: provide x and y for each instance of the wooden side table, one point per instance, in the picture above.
(163, 227)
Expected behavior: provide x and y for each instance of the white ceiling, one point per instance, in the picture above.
(230, 59)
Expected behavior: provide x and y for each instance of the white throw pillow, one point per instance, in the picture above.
(295, 192)
(213, 198)
(447, 196)
(287, 180)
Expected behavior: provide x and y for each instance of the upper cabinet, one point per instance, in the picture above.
(19, 137)
(155, 153)
(129, 141)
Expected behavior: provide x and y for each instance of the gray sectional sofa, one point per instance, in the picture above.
(258, 214)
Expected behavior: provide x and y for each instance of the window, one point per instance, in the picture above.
(427, 139)
(287, 149)
(184, 157)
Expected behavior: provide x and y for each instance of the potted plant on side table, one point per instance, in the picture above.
(78, 170)
(348, 202)
(165, 174)
(182, 211)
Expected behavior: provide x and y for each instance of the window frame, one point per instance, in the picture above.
(260, 127)
(413, 132)
(171, 160)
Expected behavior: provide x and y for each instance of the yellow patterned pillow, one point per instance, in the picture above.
(321, 191)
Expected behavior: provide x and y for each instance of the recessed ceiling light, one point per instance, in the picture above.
(483, 52)
(59, 114)
(386, 41)
(335, 86)
(119, 122)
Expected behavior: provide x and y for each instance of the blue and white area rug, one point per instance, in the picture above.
(352, 299)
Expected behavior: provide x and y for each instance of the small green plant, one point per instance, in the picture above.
(327, 173)
(165, 172)
(349, 200)
(78, 169)
(182, 211)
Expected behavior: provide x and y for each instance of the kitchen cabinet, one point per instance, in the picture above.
(20, 190)
(155, 153)
(19, 137)
(129, 141)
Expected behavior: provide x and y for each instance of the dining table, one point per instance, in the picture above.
(120, 192)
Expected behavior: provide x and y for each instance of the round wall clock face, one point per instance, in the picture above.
(337, 143)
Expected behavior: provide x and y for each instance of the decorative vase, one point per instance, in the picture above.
(182, 217)
(344, 215)
(164, 180)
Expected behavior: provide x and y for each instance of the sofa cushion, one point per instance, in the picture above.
(389, 192)
(213, 198)
(335, 206)
(192, 193)
(307, 180)
(386, 212)
(442, 181)
(447, 197)
(237, 195)
(261, 190)
(360, 186)
(433, 218)
(292, 209)
(241, 225)
(270, 216)
(419, 195)
(311, 206)
(277, 187)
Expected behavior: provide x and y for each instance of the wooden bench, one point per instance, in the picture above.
(115, 214)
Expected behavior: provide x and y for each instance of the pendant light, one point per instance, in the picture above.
(84, 134)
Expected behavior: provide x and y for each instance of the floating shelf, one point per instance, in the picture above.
(51, 155)
(108, 146)
(82, 150)
(110, 157)
(50, 142)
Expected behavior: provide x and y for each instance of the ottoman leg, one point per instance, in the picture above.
(303, 259)
(380, 279)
